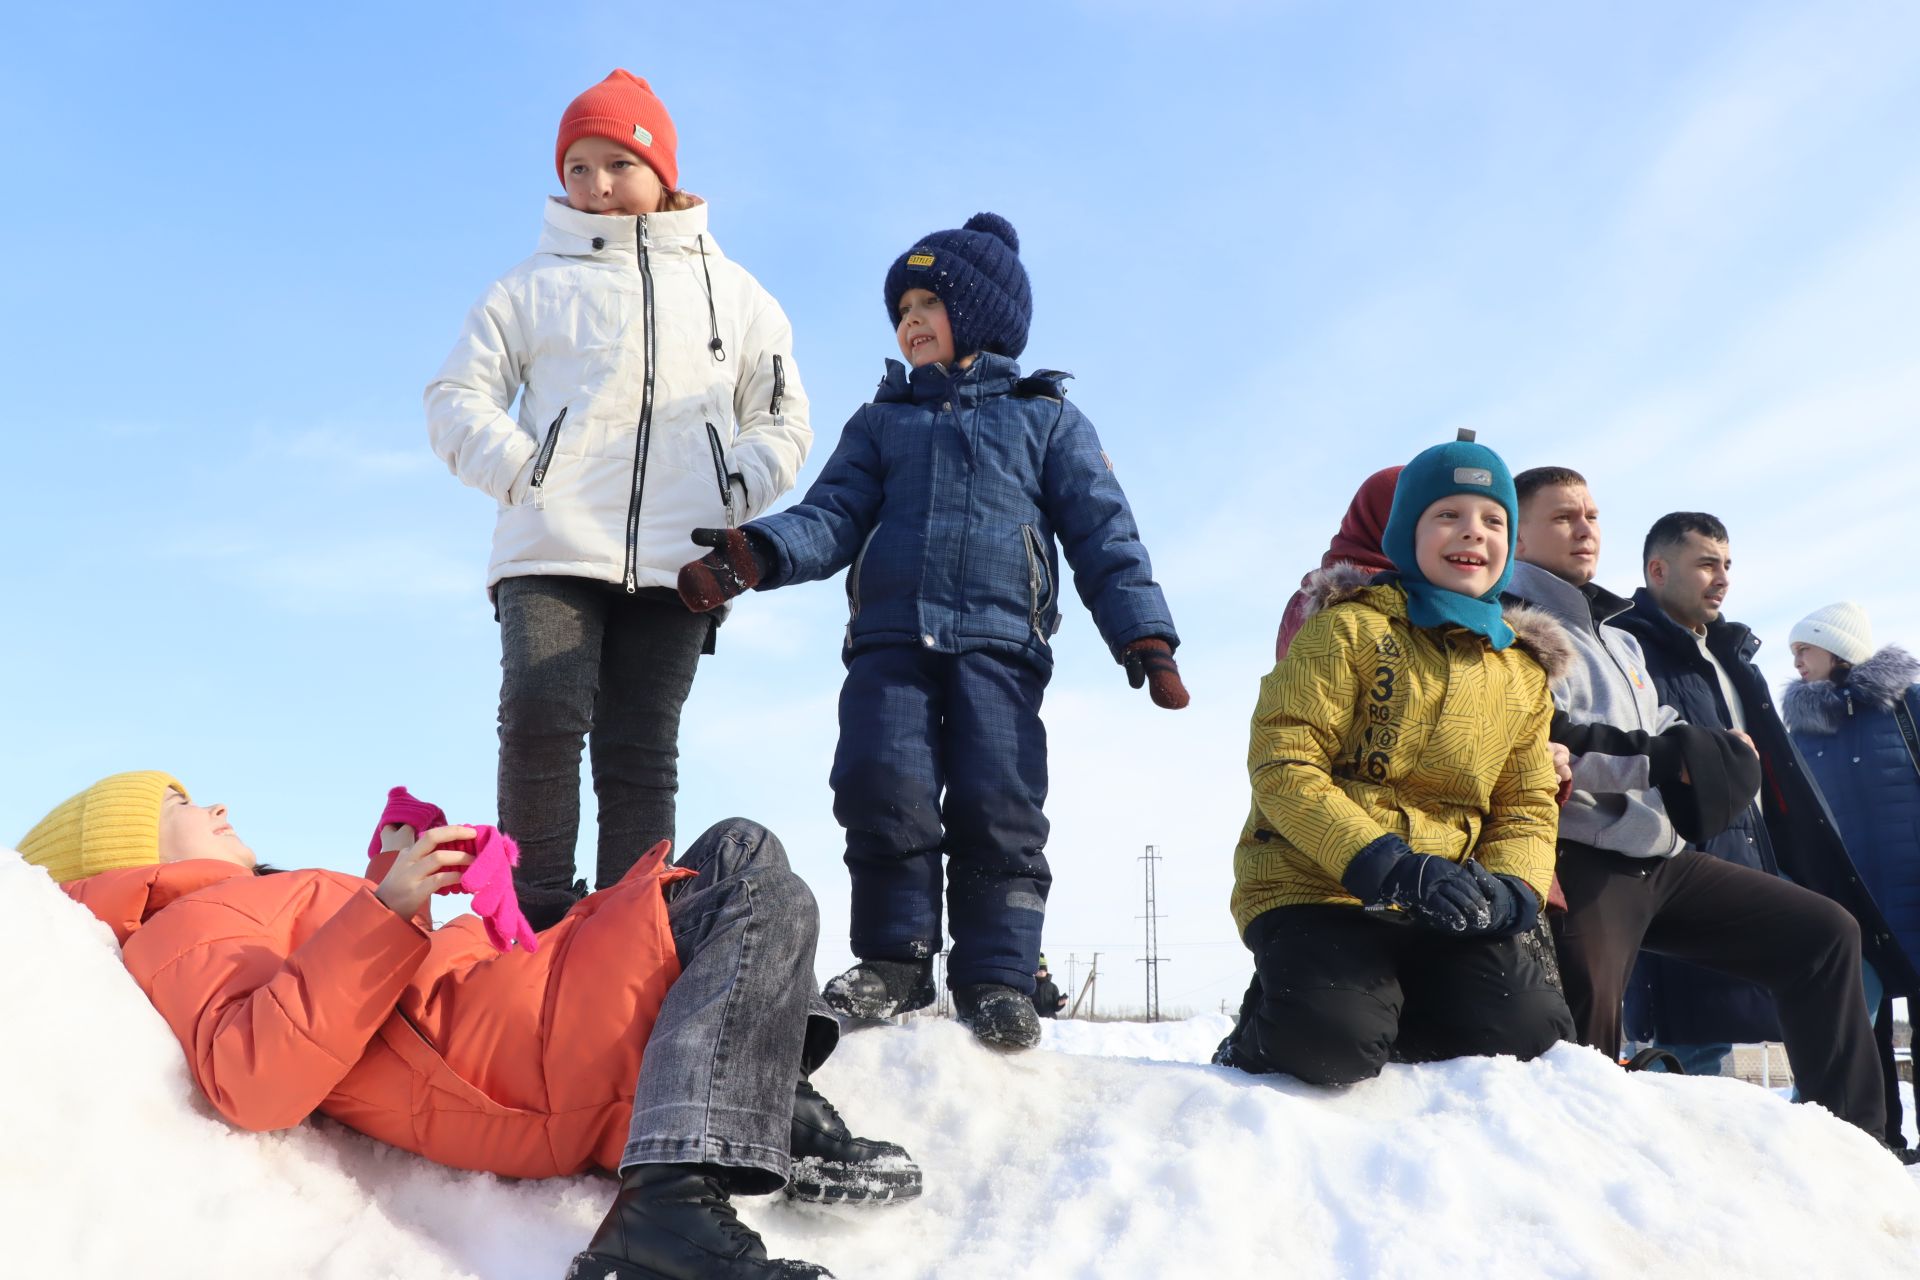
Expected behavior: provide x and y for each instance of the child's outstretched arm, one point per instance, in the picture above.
(771, 407)
(468, 400)
(820, 535)
(1095, 525)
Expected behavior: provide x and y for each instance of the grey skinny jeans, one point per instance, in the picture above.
(744, 1020)
(584, 662)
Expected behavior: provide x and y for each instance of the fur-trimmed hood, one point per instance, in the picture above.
(1821, 706)
(1535, 630)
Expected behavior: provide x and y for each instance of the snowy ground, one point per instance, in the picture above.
(1110, 1153)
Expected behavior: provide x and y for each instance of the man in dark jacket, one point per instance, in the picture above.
(1047, 1000)
(1644, 783)
(1702, 666)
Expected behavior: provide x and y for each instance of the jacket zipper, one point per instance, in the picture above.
(779, 386)
(1037, 577)
(545, 459)
(720, 469)
(646, 412)
(853, 578)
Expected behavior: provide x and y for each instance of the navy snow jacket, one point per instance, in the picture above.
(943, 499)
(1851, 742)
(1797, 837)
(1669, 1000)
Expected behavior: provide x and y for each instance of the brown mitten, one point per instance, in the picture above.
(1150, 662)
(733, 566)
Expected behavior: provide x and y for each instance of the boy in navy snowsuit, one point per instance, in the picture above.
(943, 501)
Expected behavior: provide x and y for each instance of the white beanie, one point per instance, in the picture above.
(1841, 629)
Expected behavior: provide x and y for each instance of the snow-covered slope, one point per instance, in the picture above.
(1110, 1153)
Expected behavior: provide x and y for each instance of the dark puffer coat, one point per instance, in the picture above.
(1851, 741)
(1670, 1000)
(943, 500)
(1798, 835)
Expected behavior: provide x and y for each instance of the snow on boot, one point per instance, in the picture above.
(675, 1222)
(997, 1015)
(831, 1166)
(875, 989)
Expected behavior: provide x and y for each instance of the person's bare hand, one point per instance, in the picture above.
(1562, 771)
(396, 836)
(424, 869)
(1562, 761)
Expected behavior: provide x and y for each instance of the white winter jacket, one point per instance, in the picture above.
(635, 425)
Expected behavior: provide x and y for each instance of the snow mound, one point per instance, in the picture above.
(1111, 1152)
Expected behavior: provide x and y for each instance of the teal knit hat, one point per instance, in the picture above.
(1461, 466)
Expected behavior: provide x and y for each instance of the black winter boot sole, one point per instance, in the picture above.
(999, 1016)
(597, 1266)
(870, 1182)
(875, 990)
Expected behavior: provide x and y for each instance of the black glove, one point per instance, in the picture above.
(1514, 909)
(734, 565)
(1723, 776)
(1436, 893)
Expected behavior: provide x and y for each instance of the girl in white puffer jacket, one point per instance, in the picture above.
(657, 394)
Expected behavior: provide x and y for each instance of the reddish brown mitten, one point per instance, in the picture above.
(1150, 662)
(723, 573)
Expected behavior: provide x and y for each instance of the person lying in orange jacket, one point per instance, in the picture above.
(665, 1029)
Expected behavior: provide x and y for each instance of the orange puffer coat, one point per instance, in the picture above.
(301, 992)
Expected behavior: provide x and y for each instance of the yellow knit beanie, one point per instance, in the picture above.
(113, 823)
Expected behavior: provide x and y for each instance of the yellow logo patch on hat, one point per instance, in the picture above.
(642, 136)
(919, 259)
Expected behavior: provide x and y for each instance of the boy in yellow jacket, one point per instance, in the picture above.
(1402, 830)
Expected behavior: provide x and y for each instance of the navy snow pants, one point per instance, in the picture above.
(945, 752)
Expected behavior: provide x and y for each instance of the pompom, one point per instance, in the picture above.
(997, 227)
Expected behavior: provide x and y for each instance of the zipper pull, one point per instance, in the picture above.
(632, 586)
(645, 238)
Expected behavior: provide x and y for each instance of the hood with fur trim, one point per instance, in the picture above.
(1821, 706)
(1535, 630)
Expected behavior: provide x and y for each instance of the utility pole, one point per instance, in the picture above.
(1072, 971)
(1152, 959)
(1088, 991)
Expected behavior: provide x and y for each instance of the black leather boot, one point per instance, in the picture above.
(875, 989)
(675, 1222)
(831, 1166)
(998, 1016)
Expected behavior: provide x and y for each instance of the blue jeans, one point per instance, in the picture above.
(945, 752)
(743, 1020)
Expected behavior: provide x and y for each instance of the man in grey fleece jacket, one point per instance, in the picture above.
(1644, 783)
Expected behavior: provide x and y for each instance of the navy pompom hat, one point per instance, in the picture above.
(1440, 472)
(976, 274)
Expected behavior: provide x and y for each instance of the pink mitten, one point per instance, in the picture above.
(405, 809)
(489, 878)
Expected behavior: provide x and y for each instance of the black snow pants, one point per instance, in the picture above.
(1338, 992)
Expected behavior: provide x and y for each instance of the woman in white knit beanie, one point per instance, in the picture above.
(1853, 716)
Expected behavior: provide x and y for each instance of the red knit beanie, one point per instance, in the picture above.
(622, 109)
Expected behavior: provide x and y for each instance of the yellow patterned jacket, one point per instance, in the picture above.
(1372, 725)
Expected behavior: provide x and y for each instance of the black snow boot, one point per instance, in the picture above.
(875, 989)
(831, 1166)
(997, 1015)
(674, 1222)
(1654, 1058)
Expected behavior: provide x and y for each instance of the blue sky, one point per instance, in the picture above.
(1676, 247)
